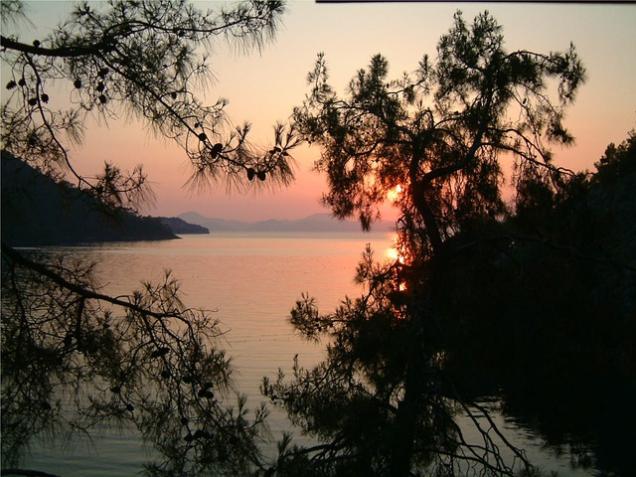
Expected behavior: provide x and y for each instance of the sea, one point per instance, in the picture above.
(251, 282)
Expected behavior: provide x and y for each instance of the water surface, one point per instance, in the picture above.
(252, 282)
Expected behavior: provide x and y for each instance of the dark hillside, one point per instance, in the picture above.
(36, 211)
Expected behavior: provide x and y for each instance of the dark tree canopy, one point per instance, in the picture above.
(541, 308)
(441, 132)
(382, 402)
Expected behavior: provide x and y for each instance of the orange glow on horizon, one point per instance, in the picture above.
(601, 113)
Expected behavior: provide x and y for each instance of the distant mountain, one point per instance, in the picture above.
(181, 227)
(214, 225)
(312, 223)
(36, 210)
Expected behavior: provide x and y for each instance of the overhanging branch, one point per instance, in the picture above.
(62, 52)
(56, 278)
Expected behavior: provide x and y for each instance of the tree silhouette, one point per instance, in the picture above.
(382, 402)
(560, 343)
(102, 56)
(144, 358)
(441, 133)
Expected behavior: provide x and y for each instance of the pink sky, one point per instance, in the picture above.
(263, 88)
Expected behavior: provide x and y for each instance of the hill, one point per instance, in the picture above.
(181, 227)
(312, 223)
(36, 210)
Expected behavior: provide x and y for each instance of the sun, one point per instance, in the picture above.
(393, 195)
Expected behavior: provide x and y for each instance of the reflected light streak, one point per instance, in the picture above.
(392, 253)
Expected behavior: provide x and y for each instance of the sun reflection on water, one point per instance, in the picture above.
(393, 253)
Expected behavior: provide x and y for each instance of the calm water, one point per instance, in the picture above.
(252, 282)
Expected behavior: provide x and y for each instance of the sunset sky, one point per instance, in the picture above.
(264, 87)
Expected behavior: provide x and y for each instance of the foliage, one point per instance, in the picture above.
(143, 358)
(572, 246)
(540, 308)
(441, 132)
(380, 403)
(74, 357)
(100, 59)
(383, 401)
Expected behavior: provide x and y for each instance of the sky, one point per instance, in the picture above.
(263, 87)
